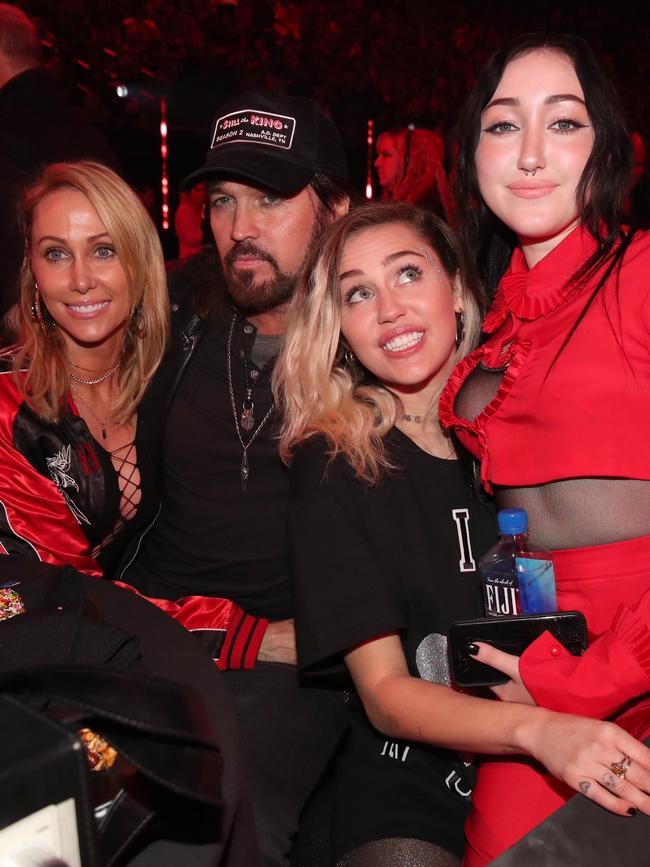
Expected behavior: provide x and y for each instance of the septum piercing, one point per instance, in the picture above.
(532, 172)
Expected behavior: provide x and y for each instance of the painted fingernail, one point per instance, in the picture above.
(473, 649)
(632, 811)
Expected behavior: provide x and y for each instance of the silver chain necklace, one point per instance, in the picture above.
(101, 421)
(247, 419)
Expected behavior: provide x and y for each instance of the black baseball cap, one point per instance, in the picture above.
(275, 141)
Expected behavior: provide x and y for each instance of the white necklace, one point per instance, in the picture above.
(247, 418)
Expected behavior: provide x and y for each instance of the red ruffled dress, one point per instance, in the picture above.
(590, 418)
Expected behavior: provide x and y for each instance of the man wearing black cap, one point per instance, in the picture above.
(276, 176)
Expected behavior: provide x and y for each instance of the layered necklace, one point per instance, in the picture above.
(246, 420)
(102, 422)
(102, 376)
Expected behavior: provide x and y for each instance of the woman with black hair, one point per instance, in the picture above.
(554, 403)
(385, 531)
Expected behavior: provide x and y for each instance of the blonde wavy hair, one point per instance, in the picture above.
(39, 359)
(316, 388)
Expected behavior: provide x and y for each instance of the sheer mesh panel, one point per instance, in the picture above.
(577, 513)
(571, 513)
(477, 391)
(128, 478)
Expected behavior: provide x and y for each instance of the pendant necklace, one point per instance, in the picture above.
(247, 417)
(101, 421)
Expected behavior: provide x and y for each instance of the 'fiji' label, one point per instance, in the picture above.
(501, 594)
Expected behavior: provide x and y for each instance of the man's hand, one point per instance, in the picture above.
(279, 643)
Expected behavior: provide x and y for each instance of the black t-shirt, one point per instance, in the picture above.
(212, 538)
(398, 556)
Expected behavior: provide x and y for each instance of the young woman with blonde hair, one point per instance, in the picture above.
(386, 532)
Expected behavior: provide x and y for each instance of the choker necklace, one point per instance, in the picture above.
(247, 418)
(106, 375)
(100, 421)
(416, 419)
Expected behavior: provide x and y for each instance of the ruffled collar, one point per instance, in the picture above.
(528, 294)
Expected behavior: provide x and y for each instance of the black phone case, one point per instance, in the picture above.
(512, 635)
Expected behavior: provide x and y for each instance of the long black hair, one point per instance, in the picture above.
(604, 182)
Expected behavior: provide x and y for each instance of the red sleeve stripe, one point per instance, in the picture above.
(254, 641)
(242, 643)
(224, 659)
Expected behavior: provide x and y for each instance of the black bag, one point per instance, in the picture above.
(87, 653)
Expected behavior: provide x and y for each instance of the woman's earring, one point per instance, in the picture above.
(349, 357)
(34, 308)
(37, 312)
(135, 322)
(460, 327)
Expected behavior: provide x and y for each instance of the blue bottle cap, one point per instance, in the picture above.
(512, 521)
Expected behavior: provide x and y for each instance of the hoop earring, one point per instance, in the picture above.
(460, 327)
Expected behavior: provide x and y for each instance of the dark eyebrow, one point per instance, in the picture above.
(63, 240)
(355, 272)
(550, 100)
(564, 97)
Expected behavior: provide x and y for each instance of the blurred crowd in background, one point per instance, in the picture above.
(394, 61)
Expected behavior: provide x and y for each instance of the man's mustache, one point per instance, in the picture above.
(247, 248)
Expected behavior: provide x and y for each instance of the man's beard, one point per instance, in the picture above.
(252, 297)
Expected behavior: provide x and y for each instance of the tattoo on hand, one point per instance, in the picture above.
(609, 780)
(584, 786)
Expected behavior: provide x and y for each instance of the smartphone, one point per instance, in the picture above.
(512, 635)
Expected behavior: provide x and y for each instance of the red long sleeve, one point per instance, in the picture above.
(232, 636)
(613, 670)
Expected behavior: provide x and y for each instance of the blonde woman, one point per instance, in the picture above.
(75, 480)
(386, 533)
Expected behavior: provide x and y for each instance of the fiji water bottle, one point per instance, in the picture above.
(517, 578)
